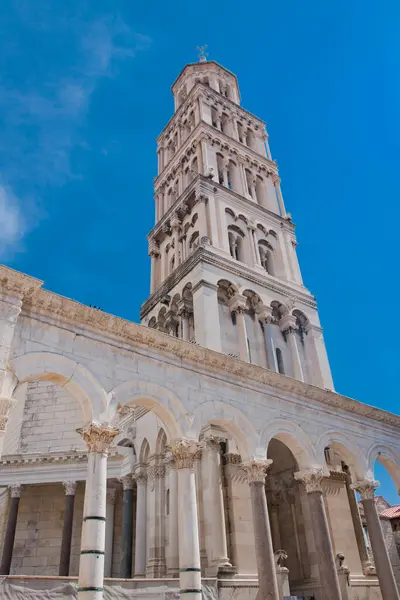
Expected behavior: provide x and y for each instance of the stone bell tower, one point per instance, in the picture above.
(224, 268)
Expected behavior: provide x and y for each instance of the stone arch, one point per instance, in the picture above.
(65, 372)
(161, 401)
(388, 458)
(346, 448)
(144, 452)
(231, 420)
(161, 441)
(293, 436)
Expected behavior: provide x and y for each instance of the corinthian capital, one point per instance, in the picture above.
(311, 478)
(69, 488)
(98, 437)
(15, 490)
(185, 452)
(256, 470)
(366, 488)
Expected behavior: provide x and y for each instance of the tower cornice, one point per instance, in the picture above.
(203, 66)
(208, 255)
(212, 94)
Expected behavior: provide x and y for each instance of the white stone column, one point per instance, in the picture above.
(267, 148)
(264, 314)
(185, 452)
(109, 543)
(141, 516)
(173, 519)
(288, 327)
(184, 315)
(205, 310)
(318, 362)
(237, 305)
(215, 501)
(156, 558)
(98, 438)
(383, 566)
(277, 184)
(255, 255)
(267, 580)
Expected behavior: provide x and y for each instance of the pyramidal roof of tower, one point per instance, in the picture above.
(202, 65)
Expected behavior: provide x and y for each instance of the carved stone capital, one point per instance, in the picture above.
(287, 324)
(213, 443)
(237, 304)
(264, 313)
(185, 452)
(311, 478)
(232, 459)
(256, 470)
(127, 482)
(141, 475)
(15, 490)
(98, 437)
(156, 472)
(69, 487)
(366, 488)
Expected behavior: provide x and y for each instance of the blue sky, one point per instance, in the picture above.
(85, 89)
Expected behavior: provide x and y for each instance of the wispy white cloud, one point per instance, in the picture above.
(12, 223)
(44, 113)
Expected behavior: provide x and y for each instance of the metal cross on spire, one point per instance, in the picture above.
(202, 53)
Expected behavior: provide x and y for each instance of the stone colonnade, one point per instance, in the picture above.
(185, 530)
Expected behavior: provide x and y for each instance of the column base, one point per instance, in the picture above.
(221, 571)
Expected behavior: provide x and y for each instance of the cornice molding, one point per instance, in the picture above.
(205, 254)
(17, 283)
(45, 305)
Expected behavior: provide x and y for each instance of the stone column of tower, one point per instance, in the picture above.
(222, 235)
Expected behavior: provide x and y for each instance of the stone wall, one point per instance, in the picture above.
(391, 548)
(50, 419)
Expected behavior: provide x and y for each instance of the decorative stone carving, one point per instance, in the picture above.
(311, 478)
(366, 488)
(280, 557)
(256, 470)
(213, 443)
(15, 490)
(141, 476)
(98, 437)
(155, 471)
(232, 459)
(3, 423)
(185, 452)
(69, 487)
(127, 482)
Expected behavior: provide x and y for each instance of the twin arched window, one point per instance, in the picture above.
(236, 237)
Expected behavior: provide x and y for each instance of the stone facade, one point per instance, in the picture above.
(208, 441)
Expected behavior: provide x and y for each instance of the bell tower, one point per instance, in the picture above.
(224, 268)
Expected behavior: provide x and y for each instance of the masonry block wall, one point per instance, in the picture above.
(50, 419)
(392, 549)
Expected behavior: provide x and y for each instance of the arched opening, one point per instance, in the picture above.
(220, 166)
(279, 361)
(233, 177)
(229, 338)
(290, 522)
(266, 256)
(236, 242)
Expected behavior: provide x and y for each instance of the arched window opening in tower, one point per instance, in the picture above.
(279, 360)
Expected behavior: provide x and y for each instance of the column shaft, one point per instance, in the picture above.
(140, 542)
(276, 534)
(185, 452)
(65, 553)
(382, 562)
(91, 566)
(267, 581)
(173, 531)
(109, 543)
(242, 335)
(219, 550)
(8, 544)
(127, 529)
